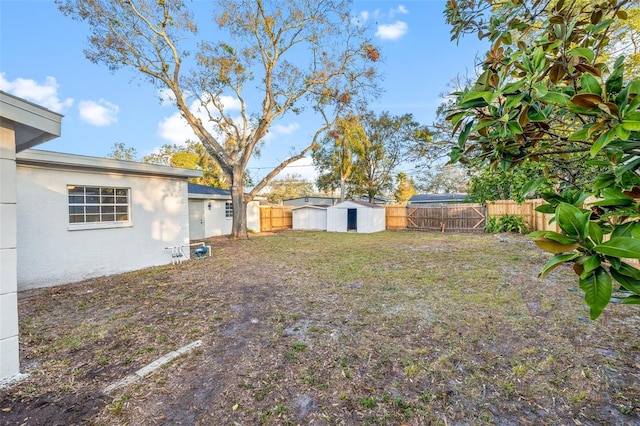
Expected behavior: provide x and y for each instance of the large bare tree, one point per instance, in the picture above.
(270, 57)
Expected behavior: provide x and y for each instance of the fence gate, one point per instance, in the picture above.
(447, 218)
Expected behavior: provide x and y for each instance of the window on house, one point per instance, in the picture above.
(96, 205)
(228, 209)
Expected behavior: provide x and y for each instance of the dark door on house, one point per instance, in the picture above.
(352, 219)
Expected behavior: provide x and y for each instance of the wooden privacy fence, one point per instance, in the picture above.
(466, 217)
(274, 218)
(443, 218)
(537, 221)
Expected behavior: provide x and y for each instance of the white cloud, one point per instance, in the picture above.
(175, 129)
(45, 94)
(400, 10)
(392, 31)
(99, 114)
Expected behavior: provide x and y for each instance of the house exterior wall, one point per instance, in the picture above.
(309, 218)
(215, 221)
(49, 253)
(9, 366)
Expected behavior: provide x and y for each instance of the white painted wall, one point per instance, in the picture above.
(309, 218)
(9, 358)
(370, 219)
(51, 254)
(215, 222)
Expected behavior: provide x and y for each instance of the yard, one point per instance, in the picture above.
(323, 328)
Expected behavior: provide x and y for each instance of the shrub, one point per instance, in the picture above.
(506, 223)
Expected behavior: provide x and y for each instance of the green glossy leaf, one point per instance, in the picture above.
(591, 264)
(602, 141)
(532, 185)
(546, 209)
(555, 236)
(613, 197)
(597, 290)
(582, 52)
(595, 232)
(572, 220)
(590, 84)
(555, 98)
(629, 283)
(623, 247)
(631, 300)
(604, 180)
(515, 128)
(556, 261)
(631, 125)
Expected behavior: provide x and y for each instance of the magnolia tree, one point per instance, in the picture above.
(269, 57)
(554, 82)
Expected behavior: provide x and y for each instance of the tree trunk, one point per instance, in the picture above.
(342, 180)
(239, 226)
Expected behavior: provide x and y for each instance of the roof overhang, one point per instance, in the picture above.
(61, 160)
(33, 124)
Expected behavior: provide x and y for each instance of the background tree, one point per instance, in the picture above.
(336, 156)
(190, 156)
(405, 188)
(291, 186)
(389, 138)
(297, 53)
(119, 151)
(445, 178)
(553, 83)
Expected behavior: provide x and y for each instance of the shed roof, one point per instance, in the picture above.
(360, 203)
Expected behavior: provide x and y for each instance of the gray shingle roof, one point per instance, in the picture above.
(194, 188)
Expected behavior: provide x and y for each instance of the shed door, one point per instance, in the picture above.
(352, 219)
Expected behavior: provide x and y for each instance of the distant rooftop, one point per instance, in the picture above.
(438, 198)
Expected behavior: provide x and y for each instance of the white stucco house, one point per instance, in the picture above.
(211, 212)
(309, 218)
(81, 217)
(22, 126)
(66, 217)
(356, 216)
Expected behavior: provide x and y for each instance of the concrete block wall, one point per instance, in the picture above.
(9, 354)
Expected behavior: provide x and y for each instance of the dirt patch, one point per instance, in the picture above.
(321, 328)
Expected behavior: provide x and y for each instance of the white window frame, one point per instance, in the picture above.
(81, 204)
(228, 210)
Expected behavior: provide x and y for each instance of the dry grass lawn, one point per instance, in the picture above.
(393, 328)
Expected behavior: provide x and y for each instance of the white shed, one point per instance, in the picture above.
(309, 218)
(356, 216)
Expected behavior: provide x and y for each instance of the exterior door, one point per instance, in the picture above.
(352, 219)
(196, 220)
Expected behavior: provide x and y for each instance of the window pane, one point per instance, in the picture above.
(92, 191)
(122, 192)
(74, 199)
(93, 209)
(93, 218)
(122, 216)
(107, 200)
(76, 218)
(93, 199)
(75, 190)
(122, 209)
(121, 200)
(76, 209)
(108, 217)
(107, 191)
(107, 209)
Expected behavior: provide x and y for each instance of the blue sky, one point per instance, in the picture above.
(42, 60)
